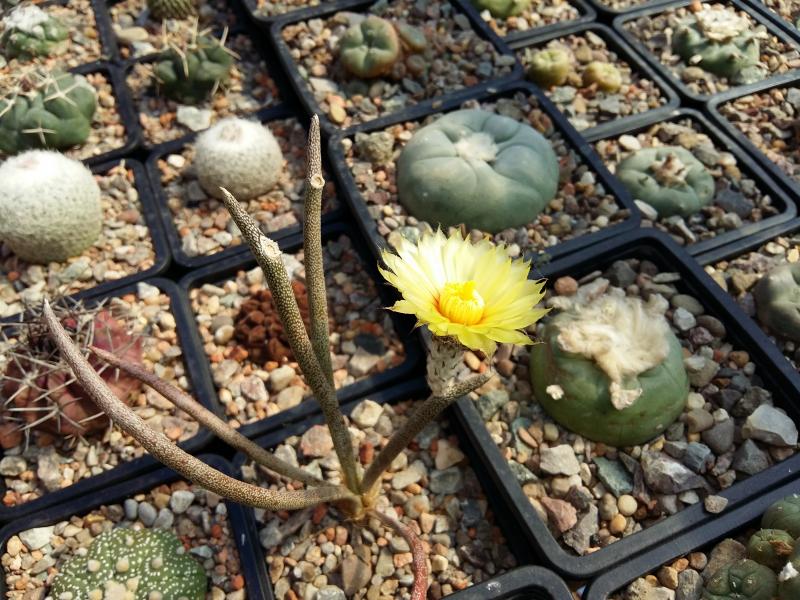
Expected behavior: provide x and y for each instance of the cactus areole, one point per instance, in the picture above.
(611, 370)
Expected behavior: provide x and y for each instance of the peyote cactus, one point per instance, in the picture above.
(785, 515)
(28, 31)
(604, 75)
(719, 41)
(136, 565)
(789, 578)
(742, 580)
(50, 206)
(770, 547)
(171, 9)
(376, 47)
(777, 297)
(475, 167)
(239, 155)
(502, 9)
(549, 67)
(668, 178)
(192, 73)
(611, 370)
(46, 111)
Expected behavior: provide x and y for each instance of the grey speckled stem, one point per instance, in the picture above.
(268, 257)
(419, 590)
(171, 455)
(209, 420)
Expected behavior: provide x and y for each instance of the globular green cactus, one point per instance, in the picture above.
(502, 9)
(46, 111)
(192, 73)
(720, 42)
(770, 547)
(668, 178)
(785, 515)
(604, 75)
(171, 9)
(475, 167)
(611, 370)
(140, 565)
(50, 206)
(239, 155)
(28, 31)
(370, 48)
(789, 578)
(742, 580)
(548, 67)
(777, 296)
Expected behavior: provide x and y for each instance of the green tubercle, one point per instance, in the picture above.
(604, 75)
(742, 580)
(770, 547)
(785, 515)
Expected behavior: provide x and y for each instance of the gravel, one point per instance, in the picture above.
(539, 14)
(123, 248)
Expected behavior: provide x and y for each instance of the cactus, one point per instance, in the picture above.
(193, 72)
(720, 42)
(478, 168)
(140, 565)
(28, 31)
(46, 111)
(785, 515)
(239, 155)
(549, 67)
(370, 48)
(171, 9)
(50, 206)
(502, 9)
(777, 296)
(611, 370)
(742, 580)
(604, 75)
(668, 178)
(770, 547)
(789, 578)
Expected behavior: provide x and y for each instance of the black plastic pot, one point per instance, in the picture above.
(752, 242)
(307, 100)
(586, 14)
(105, 30)
(697, 99)
(123, 489)
(265, 22)
(193, 361)
(149, 211)
(745, 163)
(772, 367)
(124, 107)
(605, 14)
(777, 19)
(789, 80)
(625, 54)
(728, 524)
(174, 238)
(524, 582)
(368, 225)
(403, 325)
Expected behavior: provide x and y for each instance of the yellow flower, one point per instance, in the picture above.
(473, 292)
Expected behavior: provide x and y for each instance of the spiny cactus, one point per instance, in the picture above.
(239, 155)
(549, 67)
(785, 515)
(604, 75)
(41, 110)
(777, 296)
(668, 178)
(475, 167)
(376, 47)
(50, 206)
(28, 31)
(192, 68)
(720, 42)
(140, 565)
(171, 9)
(611, 370)
(502, 9)
(770, 547)
(742, 580)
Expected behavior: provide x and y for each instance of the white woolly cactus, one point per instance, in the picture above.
(50, 206)
(239, 155)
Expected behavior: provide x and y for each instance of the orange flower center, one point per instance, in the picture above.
(461, 303)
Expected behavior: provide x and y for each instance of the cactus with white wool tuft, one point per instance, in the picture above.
(50, 206)
(140, 565)
(239, 155)
(28, 31)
